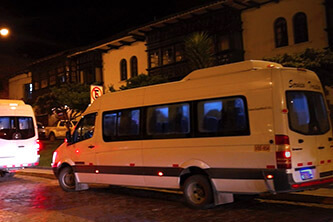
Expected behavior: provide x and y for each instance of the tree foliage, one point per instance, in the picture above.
(319, 61)
(139, 81)
(199, 50)
(69, 100)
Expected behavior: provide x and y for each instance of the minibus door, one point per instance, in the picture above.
(83, 149)
(309, 135)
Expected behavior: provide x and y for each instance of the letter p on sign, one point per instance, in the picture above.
(95, 92)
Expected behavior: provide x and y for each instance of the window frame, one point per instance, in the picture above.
(123, 70)
(222, 134)
(173, 135)
(300, 28)
(134, 66)
(281, 23)
(193, 122)
(122, 137)
(78, 126)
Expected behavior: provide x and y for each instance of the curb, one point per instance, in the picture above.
(299, 198)
(36, 174)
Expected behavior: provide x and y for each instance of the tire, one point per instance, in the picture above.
(198, 192)
(52, 137)
(67, 179)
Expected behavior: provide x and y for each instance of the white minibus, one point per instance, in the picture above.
(244, 128)
(19, 144)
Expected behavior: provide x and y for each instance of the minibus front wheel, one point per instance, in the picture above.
(198, 192)
(67, 179)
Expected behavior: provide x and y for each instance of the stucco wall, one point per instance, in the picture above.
(111, 63)
(258, 27)
(16, 85)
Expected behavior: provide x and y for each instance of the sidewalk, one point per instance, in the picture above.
(45, 172)
(322, 195)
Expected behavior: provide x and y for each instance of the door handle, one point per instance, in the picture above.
(91, 146)
(321, 147)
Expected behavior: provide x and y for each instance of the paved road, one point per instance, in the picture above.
(30, 198)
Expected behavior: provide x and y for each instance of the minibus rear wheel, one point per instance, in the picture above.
(198, 192)
(67, 179)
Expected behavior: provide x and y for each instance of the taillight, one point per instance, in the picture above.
(283, 153)
(38, 146)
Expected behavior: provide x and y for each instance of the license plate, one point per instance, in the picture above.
(306, 174)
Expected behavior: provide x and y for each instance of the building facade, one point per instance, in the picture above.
(240, 30)
(20, 87)
(286, 26)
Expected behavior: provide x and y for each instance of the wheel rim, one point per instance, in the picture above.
(68, 180)
(196, 193)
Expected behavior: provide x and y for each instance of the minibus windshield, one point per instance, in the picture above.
(307, 112)
(14, 127)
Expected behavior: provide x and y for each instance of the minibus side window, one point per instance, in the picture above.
(124, 124)
(168, 119)
(128, 122)
(225, 117)
(85, 128)
(109, 125)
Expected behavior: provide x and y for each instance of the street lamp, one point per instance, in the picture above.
(4, 32)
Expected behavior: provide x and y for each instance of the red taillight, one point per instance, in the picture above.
(38, 146)
(281, 140)
(283, 154)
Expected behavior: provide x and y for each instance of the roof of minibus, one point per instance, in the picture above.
(231, 68)
(6, 102)
(136, 96)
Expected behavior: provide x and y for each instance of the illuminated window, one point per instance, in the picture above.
(167, 56)
(280, 31)
(43, 83)
(300, 28)
(53, 80)
(36, 85)
(223, 117)
(224, 43)
(121, 124)
(179, 53)
(168, 119)
(154, 59)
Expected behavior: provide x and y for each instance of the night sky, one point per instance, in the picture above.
(42, 28)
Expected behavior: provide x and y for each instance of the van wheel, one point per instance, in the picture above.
(67, 179)
(52, 137)
(198, 192)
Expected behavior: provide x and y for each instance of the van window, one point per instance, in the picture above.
(307, 112)
(85, 128)
(168, 119)
(124, 123)
(16, 128)
(223, 117)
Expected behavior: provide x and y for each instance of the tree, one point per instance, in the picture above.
(199, 50)
(68, 100)
(319, 61)
(139, 81)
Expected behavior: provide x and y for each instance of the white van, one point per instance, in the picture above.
(242, 128)
(19, 144)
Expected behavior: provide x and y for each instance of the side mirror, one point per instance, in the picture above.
(69, 138)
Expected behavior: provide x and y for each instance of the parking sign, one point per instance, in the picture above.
(95, 92)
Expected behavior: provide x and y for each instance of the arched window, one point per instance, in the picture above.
(300, 28)
(280, 31)
(123, 69)
(134, 66)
